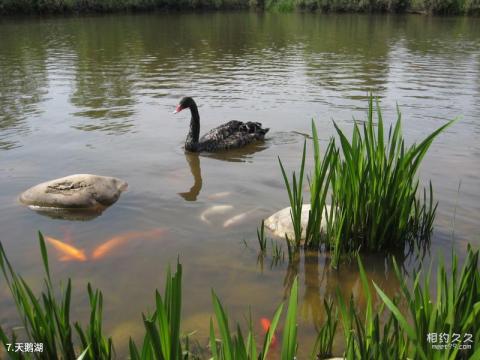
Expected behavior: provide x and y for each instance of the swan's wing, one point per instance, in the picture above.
(233, 134)
(222, 132)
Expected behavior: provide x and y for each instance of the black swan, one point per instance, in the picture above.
(231, 135)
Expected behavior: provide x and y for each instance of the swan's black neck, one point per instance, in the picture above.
(194, 133)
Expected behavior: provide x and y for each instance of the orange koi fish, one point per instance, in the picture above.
(68, 251)
(265, 324)
(117, 240)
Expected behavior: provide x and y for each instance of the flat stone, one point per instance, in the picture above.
(80, 191)
(71, 214)
(280, 223)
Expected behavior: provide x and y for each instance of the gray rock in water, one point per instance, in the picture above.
(69, 213)
(280, 223)
(80, 191)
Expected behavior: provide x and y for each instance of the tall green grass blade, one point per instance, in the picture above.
(134, 354)
(271, 332)
(43, 249)
(222, 321)
(289, 344)
(163, 327)
(213, 342)
(154, 337)
(398, 314)
(295, 191)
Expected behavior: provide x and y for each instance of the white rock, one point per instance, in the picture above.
(80, 191)
(280, 223)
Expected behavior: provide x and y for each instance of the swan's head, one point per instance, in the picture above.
(185, 103)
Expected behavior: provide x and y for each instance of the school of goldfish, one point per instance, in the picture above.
(68, 252)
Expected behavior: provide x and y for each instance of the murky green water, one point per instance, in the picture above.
(95, 95)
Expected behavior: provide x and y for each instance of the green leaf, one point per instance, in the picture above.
(289, 344)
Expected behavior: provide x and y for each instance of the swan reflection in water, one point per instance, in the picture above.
(193, 160)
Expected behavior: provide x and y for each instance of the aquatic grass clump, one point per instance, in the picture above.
(377, 332)
(163, 338)
(262, 239)
(276, 251)
(375, 188)
(278, 255)
(453, 315)
(230, 348)
(46, 320)
(365, 337)
(326, 334)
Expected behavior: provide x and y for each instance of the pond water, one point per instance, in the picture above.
(96, 95)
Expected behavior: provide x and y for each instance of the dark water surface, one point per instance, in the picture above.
(95, 95)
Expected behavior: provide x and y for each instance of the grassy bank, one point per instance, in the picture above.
(380, 331)
(108, 6)
(444, 7)
(441, 7)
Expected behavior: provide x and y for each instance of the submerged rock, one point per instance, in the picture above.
(80, 191)
(71, 214)
(280, 223)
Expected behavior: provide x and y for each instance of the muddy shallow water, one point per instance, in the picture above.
(95, 95)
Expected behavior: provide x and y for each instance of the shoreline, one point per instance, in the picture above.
(98, 7)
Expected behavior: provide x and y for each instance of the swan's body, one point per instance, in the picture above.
(231, 135)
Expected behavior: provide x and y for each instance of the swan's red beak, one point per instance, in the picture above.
(178, 109)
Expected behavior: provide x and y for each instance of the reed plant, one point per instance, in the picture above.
(453, 316)
(46, 320)
(375, 188)
(163, 339)
(262, 239)
(380, 331)
(373, 184)
(228, 347)
(326, 334)
(365, 337)
(319, 184)
(295, 196)
(278, 255)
